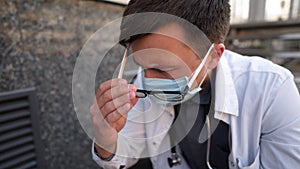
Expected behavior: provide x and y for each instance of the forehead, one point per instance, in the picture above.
(162, 48)
(163, 52)
(173, 37)
(167, 37)
(158, 49)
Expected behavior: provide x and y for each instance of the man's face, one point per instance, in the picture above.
(162, 56)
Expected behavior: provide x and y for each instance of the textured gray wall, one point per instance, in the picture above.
(39, 43)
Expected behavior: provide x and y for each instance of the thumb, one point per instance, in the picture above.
(133, 89)
(134, 101)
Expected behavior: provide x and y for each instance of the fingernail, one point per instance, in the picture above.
(131, 87)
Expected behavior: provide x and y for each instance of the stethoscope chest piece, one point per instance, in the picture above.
(174, 160)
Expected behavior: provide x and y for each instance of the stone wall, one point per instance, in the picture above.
(39, 43)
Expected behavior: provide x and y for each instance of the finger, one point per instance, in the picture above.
(110, 84)
(134, 101)
(112, 94)
(119, 124)
(117, 114)
(114, 104)
(99, 122)
(95, 111)
(132, 94)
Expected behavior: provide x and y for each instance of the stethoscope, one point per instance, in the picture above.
(175, 160)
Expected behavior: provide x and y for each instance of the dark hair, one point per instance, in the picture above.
(212, 17)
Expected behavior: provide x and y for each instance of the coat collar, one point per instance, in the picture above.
(226, 100)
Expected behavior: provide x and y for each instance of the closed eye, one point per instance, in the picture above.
(158, 73)
(156, 70)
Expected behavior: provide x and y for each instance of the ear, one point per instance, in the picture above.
(215, 55)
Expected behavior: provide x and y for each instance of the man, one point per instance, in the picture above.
(227, 110)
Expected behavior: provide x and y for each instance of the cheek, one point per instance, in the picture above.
(194, 64)
(186, 69)
(189, 64)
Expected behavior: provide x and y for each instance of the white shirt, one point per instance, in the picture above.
(258, 99)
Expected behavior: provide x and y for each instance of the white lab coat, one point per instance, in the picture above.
(258, 99)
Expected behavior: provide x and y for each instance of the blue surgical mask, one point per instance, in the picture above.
(181, 84)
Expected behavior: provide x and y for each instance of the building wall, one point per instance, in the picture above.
(39, 43)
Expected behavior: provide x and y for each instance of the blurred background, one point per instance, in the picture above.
(40, 41)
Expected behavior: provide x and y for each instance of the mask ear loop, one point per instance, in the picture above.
(199, 68)
(206, 72)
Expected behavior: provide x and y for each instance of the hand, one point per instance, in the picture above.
(111, 105)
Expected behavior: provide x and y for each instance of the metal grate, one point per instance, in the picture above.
(20, 145)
